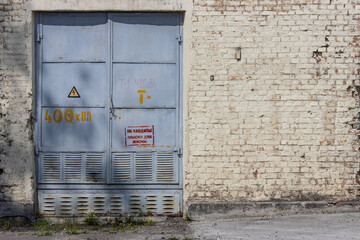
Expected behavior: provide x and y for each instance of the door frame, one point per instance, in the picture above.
(38, 87)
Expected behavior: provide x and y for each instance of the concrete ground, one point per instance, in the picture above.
(313, 226)
(309, 226)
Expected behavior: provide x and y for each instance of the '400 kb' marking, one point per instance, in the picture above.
(68, 116)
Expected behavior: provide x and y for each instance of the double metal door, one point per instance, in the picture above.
(108, 129)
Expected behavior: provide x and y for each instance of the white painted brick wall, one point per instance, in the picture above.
(16, 143)
(279, 124)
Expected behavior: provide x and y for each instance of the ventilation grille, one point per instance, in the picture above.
(99, 204)
(143, 166)
(82, 205)
(165, 167)
(94, 167)
(79, 203)
(121, 167)
(151, 203)
(72, 166)
(116, 204)
(49, 205)
(168, 204)
(51, 166)
(66, 205)
(135, 204)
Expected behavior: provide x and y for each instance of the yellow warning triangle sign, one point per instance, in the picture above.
(74, 93)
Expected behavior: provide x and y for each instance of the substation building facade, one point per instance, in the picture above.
(178, 106)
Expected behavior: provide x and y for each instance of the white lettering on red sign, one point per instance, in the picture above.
(139, 136)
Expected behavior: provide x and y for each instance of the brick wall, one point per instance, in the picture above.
(16, 142)
(281, 123)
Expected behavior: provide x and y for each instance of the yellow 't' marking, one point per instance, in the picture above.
(141, 95)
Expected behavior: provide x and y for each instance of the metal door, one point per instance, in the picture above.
(108, 130)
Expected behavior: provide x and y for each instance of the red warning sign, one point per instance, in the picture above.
(139, 136)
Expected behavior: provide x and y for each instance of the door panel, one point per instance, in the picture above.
(144, 85)
(89, 79)
(145, 167)
(71, 167)
(145, 37)
(74, 37)
(144, 129)
(74, 128)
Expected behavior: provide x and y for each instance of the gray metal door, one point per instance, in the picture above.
(108, 130)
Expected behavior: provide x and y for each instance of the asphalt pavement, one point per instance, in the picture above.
(306, 226)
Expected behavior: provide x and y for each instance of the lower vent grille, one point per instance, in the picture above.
(115, 203)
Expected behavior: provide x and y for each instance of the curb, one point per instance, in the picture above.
(199, 211)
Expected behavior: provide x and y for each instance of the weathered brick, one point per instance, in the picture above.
(306, 111)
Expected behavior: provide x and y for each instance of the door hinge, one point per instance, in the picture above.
(179, 152)
(39, 34)
(179, 38)
(37, 150)
(39, 37)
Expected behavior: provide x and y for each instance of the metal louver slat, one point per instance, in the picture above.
(135, 204)
(168, 204)
(151, 203)
(82, 204)
(72, 166)
(165, 167)
(143, 166)
(116, 204)
(48, 205)
(121, 167)
(51, 166)
(99, 204)
(66, 205)
(94, 167)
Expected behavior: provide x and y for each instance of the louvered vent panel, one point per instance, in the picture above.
(49, 205)
(121, 167)
(51, 166)
(168, 204)
(66, 205)
(94, 167)
(99, 204)
(72, 166)
(143, 166)
(82, 205)
(151, 203)
(135, 204)
(165, 167)
(116, 204)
